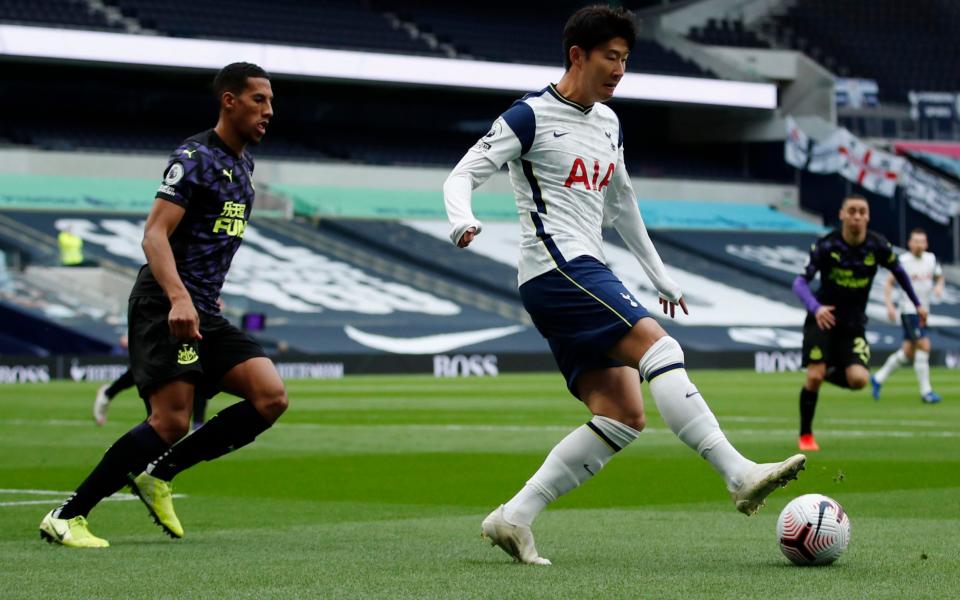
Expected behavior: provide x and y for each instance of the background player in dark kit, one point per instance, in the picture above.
(835, 346)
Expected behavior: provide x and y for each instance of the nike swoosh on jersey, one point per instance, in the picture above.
(428, 344)
(557, 134)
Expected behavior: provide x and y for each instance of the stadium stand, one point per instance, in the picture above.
(152, 111)
(61, 13)
(726, 32)
(902, 45)
(309, 282)
(530, 35)
(331, 24)
(361, 286)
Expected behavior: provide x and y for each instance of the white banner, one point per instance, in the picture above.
(856, 93)
(873, 169)
(796, 149)
(931, 195)
(826, 156)
(817, 157)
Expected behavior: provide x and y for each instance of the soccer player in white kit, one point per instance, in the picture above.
(927, 278)
(564, 149)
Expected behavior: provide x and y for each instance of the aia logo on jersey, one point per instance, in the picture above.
(578, 174)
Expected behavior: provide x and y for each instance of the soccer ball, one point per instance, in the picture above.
(813, 530)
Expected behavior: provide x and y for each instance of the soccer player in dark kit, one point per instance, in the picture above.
(835, 346)
(179, 342)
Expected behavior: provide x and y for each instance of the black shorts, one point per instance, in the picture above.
(156, 357)
(840, 346)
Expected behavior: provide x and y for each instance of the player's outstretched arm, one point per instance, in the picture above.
(509, 136)
(622, 212)
(161, 223)
(472, 170)
(888, 298)
(801, 287)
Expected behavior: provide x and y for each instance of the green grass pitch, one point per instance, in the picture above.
(376, 486)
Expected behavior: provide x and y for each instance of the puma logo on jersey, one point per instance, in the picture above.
(578, 174)
(229, 174)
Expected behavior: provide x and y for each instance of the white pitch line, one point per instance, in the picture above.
(647, 431)
(118, 497)
(836, 421)
(50, 422)
(561, 428)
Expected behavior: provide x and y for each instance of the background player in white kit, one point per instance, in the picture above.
(565, 154)
(927, 279)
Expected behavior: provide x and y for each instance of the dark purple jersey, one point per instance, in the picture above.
(846, 272)
(215, 187)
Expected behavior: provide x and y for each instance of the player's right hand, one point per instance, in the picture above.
(184, 321)
(892, 314)
(467, 237)
(825, 317)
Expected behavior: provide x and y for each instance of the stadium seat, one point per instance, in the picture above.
(903, 46)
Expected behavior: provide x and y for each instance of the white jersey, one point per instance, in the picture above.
(568, 176)
(923, 273)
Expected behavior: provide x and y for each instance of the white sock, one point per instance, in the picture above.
(897, 359)
(686, 412)
(921, 364)
(577, 458)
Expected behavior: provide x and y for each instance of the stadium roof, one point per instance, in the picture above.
(120, 48)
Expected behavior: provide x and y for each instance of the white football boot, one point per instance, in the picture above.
(760, 480)
(515, 540)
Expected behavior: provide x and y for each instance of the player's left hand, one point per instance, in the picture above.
(669, 308)
(467, 237)
(922, 313)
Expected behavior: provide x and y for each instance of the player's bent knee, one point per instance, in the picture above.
(857, 383)
(665, 353)
(272, 403)
(171, 427)
(858, 380)
(637, 422)
(815, 376)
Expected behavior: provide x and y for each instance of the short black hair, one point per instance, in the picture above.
(233, 78)
(918, 231)
(594, 25)
(853, 197)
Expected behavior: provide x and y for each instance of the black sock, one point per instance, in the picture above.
(837, 377)
(123, 382)
(232, 428)
(808, 406)
(130, 454)
(199, 410)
